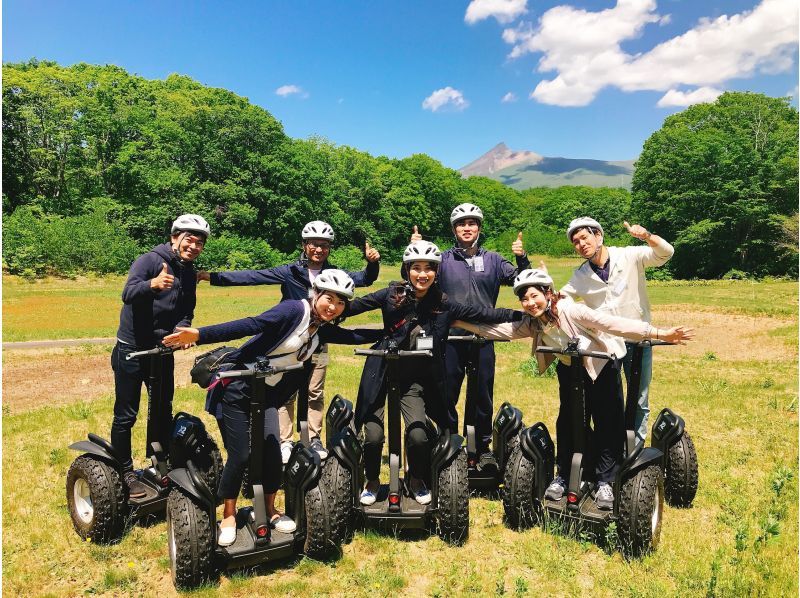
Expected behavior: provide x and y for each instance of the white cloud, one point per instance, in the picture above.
(584, 49)
(504, 11)
(509, 97)
(792, 93)
(447, 97)
(700, 95)
(287, 90)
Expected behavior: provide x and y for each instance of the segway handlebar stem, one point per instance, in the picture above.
(260, 371)
(575, 352)
(160, 350)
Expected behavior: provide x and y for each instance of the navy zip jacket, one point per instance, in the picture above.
(147, 316)
(271, 328)
(293, 278)
(463, 284)
(435, 319)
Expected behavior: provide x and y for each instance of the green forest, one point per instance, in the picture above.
(97, 162)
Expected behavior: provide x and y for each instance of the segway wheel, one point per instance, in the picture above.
(190, 535)
(339, 481)
(96, 499)
(453, 501)
(321, 514)
(522, 510)
(680, 487)
(210, 469)
(641, 503)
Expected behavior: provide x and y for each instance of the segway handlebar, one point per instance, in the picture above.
(161, 350)
(474, 338)
(653, 342)
(575, 352)
(266, 370)
(384, 353)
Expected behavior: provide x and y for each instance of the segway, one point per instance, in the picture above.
(668, 435)
(505, 429)
(394, 507)
(638, 486)
(97, 497)
(195, 556)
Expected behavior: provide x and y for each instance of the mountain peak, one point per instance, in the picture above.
(497, 158)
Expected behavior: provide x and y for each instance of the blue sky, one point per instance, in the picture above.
(359, 74)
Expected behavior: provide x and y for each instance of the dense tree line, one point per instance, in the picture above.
(97, 162)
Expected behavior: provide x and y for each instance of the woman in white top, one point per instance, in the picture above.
(553, 320)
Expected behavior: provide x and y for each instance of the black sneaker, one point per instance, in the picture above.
(487, 462)
(316, 445)
(135, 487)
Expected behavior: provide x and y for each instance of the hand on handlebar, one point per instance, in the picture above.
(182, 338)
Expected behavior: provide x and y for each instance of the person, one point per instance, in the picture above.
(553, 320)
(416, 307)
(287, 334)
(612, 280)
(295, 280)
(159, 295)
(471, 275)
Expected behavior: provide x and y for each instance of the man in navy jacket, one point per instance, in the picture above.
(471, 275)
(295, 280)
(158, 296)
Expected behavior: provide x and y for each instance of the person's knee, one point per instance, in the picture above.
(373, 434)
(416, 436)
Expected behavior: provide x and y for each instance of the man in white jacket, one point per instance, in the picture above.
(612, 280)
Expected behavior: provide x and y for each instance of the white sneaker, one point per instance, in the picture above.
(555, 491)
(283, 524)
(367, 498)
(604, 497)
(316, 445)
(227, 535)
(423, 496)
(286, 450)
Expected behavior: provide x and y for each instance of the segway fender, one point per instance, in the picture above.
(507, 424)
(189, 439)
(303, 468)
(667, 428)
(98, 447)
(537, 444)
(345, 447)
(445, 450)
(193, 485)
(338, 417)
(639, 459)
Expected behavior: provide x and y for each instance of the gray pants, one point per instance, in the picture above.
(316, 401)
(412, 407)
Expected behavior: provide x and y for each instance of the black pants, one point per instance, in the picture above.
(604, 405)
(456, 361)
(129, 375)
(412, 407)
(235, 429)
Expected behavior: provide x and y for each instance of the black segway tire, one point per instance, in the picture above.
(320, 542)
(96, 500)
(680, 486)
(190, 536)
(453, 501)
(522, 510)
(211, 471)
(641, 504)
(338, 481)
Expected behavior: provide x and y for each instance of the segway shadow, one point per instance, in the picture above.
(97, 496)
(195, 556)
(638, 486)
(505, 429)
(394, 507)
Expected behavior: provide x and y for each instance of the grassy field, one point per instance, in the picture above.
(736, 386)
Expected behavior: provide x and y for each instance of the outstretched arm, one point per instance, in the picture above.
(232, 278)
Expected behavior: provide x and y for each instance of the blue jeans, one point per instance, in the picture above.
(643, 402)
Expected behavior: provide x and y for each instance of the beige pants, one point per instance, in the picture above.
(316, 401)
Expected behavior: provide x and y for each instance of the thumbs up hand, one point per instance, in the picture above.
(371, 253)
(163, 281)
(415, 236)
(516, 247)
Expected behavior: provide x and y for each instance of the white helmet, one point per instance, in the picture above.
(466, 210)
(317, 229)
(422, 251)
(583, 222)
(335, 281)
(531, 278)
(191, 223)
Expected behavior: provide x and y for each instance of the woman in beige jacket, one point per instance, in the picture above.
(554, 320)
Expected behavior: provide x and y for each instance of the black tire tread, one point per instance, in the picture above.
(681, 475)
(518, 484)
(453, 501)
(636, 501)
(339, 482)
(193, 530)
(320, 506)
(109, 500)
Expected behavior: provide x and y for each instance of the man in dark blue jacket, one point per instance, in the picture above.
(159, 295)
(471, 275)
(295, 280)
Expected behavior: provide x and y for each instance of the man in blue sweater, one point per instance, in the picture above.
(471, 275)
(295, 280)
(159, 295)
